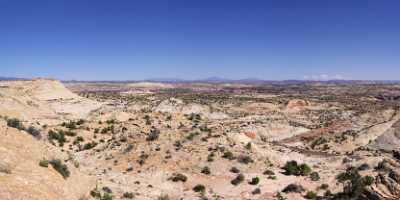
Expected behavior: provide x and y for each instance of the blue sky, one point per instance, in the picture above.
(127, 40)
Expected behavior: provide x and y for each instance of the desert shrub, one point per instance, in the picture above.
(95, 193)
(244, 159)
(310, 195)
(60, 168)
(107, 189)
(368, 180)
(234, 170)
(153, 135)
(199, 188)
(206, 170)
(328, 193)
(248, 146)
(279, 196)
(163, 197)
(89, 145)
(34, 132)
(239, 179)
(147, 119)
(256, 191)
(59, 136)
(317, 142)
(324, 186)
(80, 122)
(78, 140)
(210, 157)
(70, 125)
(44, 163)
(192, 135)
(254, 181)
(268, 172)
(228, 155)
(104, 130)
(15, 123)
(68, 133)
(178, 177)
(364, 166)
(314, 176)
(128, 195)
(107, 196)
(111, 121)
(96, 130)
(293, 188)
(292, 168)
(194, 117)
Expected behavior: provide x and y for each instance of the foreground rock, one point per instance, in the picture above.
(21, 177)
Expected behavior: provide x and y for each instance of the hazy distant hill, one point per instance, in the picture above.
(9, 78)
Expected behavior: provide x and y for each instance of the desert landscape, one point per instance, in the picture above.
(198, 140)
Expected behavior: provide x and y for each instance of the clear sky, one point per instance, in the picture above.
(127, 40)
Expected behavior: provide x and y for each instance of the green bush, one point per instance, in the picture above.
(59, 136)
(128, 195)
(192, 135)
(324, 186)
(78, 140)
(244, 159)
(239, 179)
(368, 180)
(206, 170)
(107, 196)
(44, 163)
(163, 197)
(353, 184)
(248, 146)
(80, 122)
(311, 195)
(95, 193)
(70, 125)
(292, 168)
(89, 145)
(60, 168)
(199, 188)
(153, 135)
(15, 123)
(228, 155)
(178, 177)
(314, 176)
(210, 157)
(268, 172)
(256, 191)
(34, 132)
(234, 170)
(254, 181)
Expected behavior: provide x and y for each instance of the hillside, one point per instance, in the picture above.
(226, 142)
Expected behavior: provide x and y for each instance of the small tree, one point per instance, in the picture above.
(353, 183)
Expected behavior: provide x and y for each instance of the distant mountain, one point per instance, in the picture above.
(2, 78)
(169, 80)
(219, 80)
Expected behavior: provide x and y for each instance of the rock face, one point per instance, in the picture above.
(296, 103)
(21, 177)
(389, 140)
(387, 182)
(42, 99)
